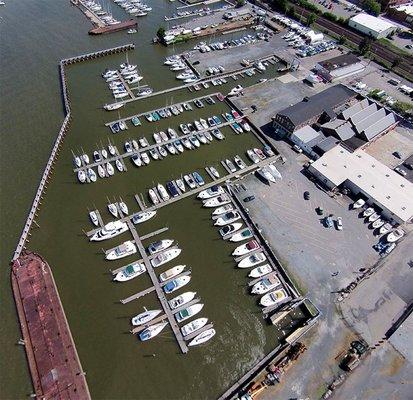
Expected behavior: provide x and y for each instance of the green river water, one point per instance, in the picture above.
(35, 36)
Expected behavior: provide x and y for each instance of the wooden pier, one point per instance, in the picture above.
(159, 291)
(138, 295)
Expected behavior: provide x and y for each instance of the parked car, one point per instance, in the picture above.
(339, 224)
(306, 195)
(319, 210)
(359, 347)
(400, 171)
(249, 198)
(297, 149)
(328, 221)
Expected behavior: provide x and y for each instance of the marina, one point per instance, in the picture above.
(87, 260)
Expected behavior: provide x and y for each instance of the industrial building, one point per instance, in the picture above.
(371, 26)
(366, 178)
(307, 138)
(339, 67)
(319, 108)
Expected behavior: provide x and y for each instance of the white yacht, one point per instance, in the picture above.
(109, 231)
(181, 300)
(230, 228)
(145, 317)
(123, 250)
(77, 161)
(265, 173)
(165, 257)
(109, 168)
(81, 175)
(129, 272)
(176, 284)
(188, 312)
(92, 175)
(153, 196)
(115, 106)
(94, 218)
(217, 201)
(152, 331)
(193, 326)
(260, 271)
(223, 209)
(203, 337)
(250, 261)
(171, 273)
(214, 172)
(159, 246)
(395, 235)
(266, 284)
(211, 192)
(272, 298)
(123, 207)
(162, 191)
(181, 186)
(241, 235)
(113, 209)
(227, 218)
(143, 216)
(246, 248)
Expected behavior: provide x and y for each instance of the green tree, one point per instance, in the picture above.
(281, 5)
(371, 6)
(342, 40)
(161, 32)
(240, 3)
(365, 46)
(311, 19)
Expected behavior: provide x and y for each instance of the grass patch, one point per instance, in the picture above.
(388, 43)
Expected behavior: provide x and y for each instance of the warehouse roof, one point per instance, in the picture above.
(373, 23)
(341, 61)
(385, 186)
(315, 105)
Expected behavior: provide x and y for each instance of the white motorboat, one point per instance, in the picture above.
(153, 196)
(81, 175)
(217, 201)
(245, 125)
(163, 136)
(136, 159)
(230, 165)
(252, 156)
(130, 271)
(246, 248)
(203, 123)
(273, 298)
(368, 212)
(91, 174)
(171, 273)
(115, 106)
(145, 158)
(211, 192)
(154, 154)
(359, 203)
(236, 90)
(159, 246)
(203, 337)
(109, 231)
(266, 284)
(145, 317)
(214, 172)
(193, 326)
(265, 173)
(260, 271)
(373, 217)
(188, 312)
(252, 260)
(77, 162)
(94, 217)
(123, 207)
(190, 181)
(119, 165)
(395, 235)
(143, 142)
(112, 150)
(274, 171)
(377, 223)
(180, 184)
(227, 218)
(162, 191)
(113, 209)
(110, 169)
(230, 228)
(123, 250)
(152, 331)
(165, 257)
(176, 284)
(223, 209)
(181, 300)
(157, 138)
(242, 235)
(143, 216)
(385, 228)
(162, 151)
(240, 163)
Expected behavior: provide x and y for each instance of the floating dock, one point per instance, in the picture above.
(101, 30)
(54, 364)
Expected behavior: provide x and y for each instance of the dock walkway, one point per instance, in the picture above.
(159, 291)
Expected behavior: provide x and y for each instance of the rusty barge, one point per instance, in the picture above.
(54, 364)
